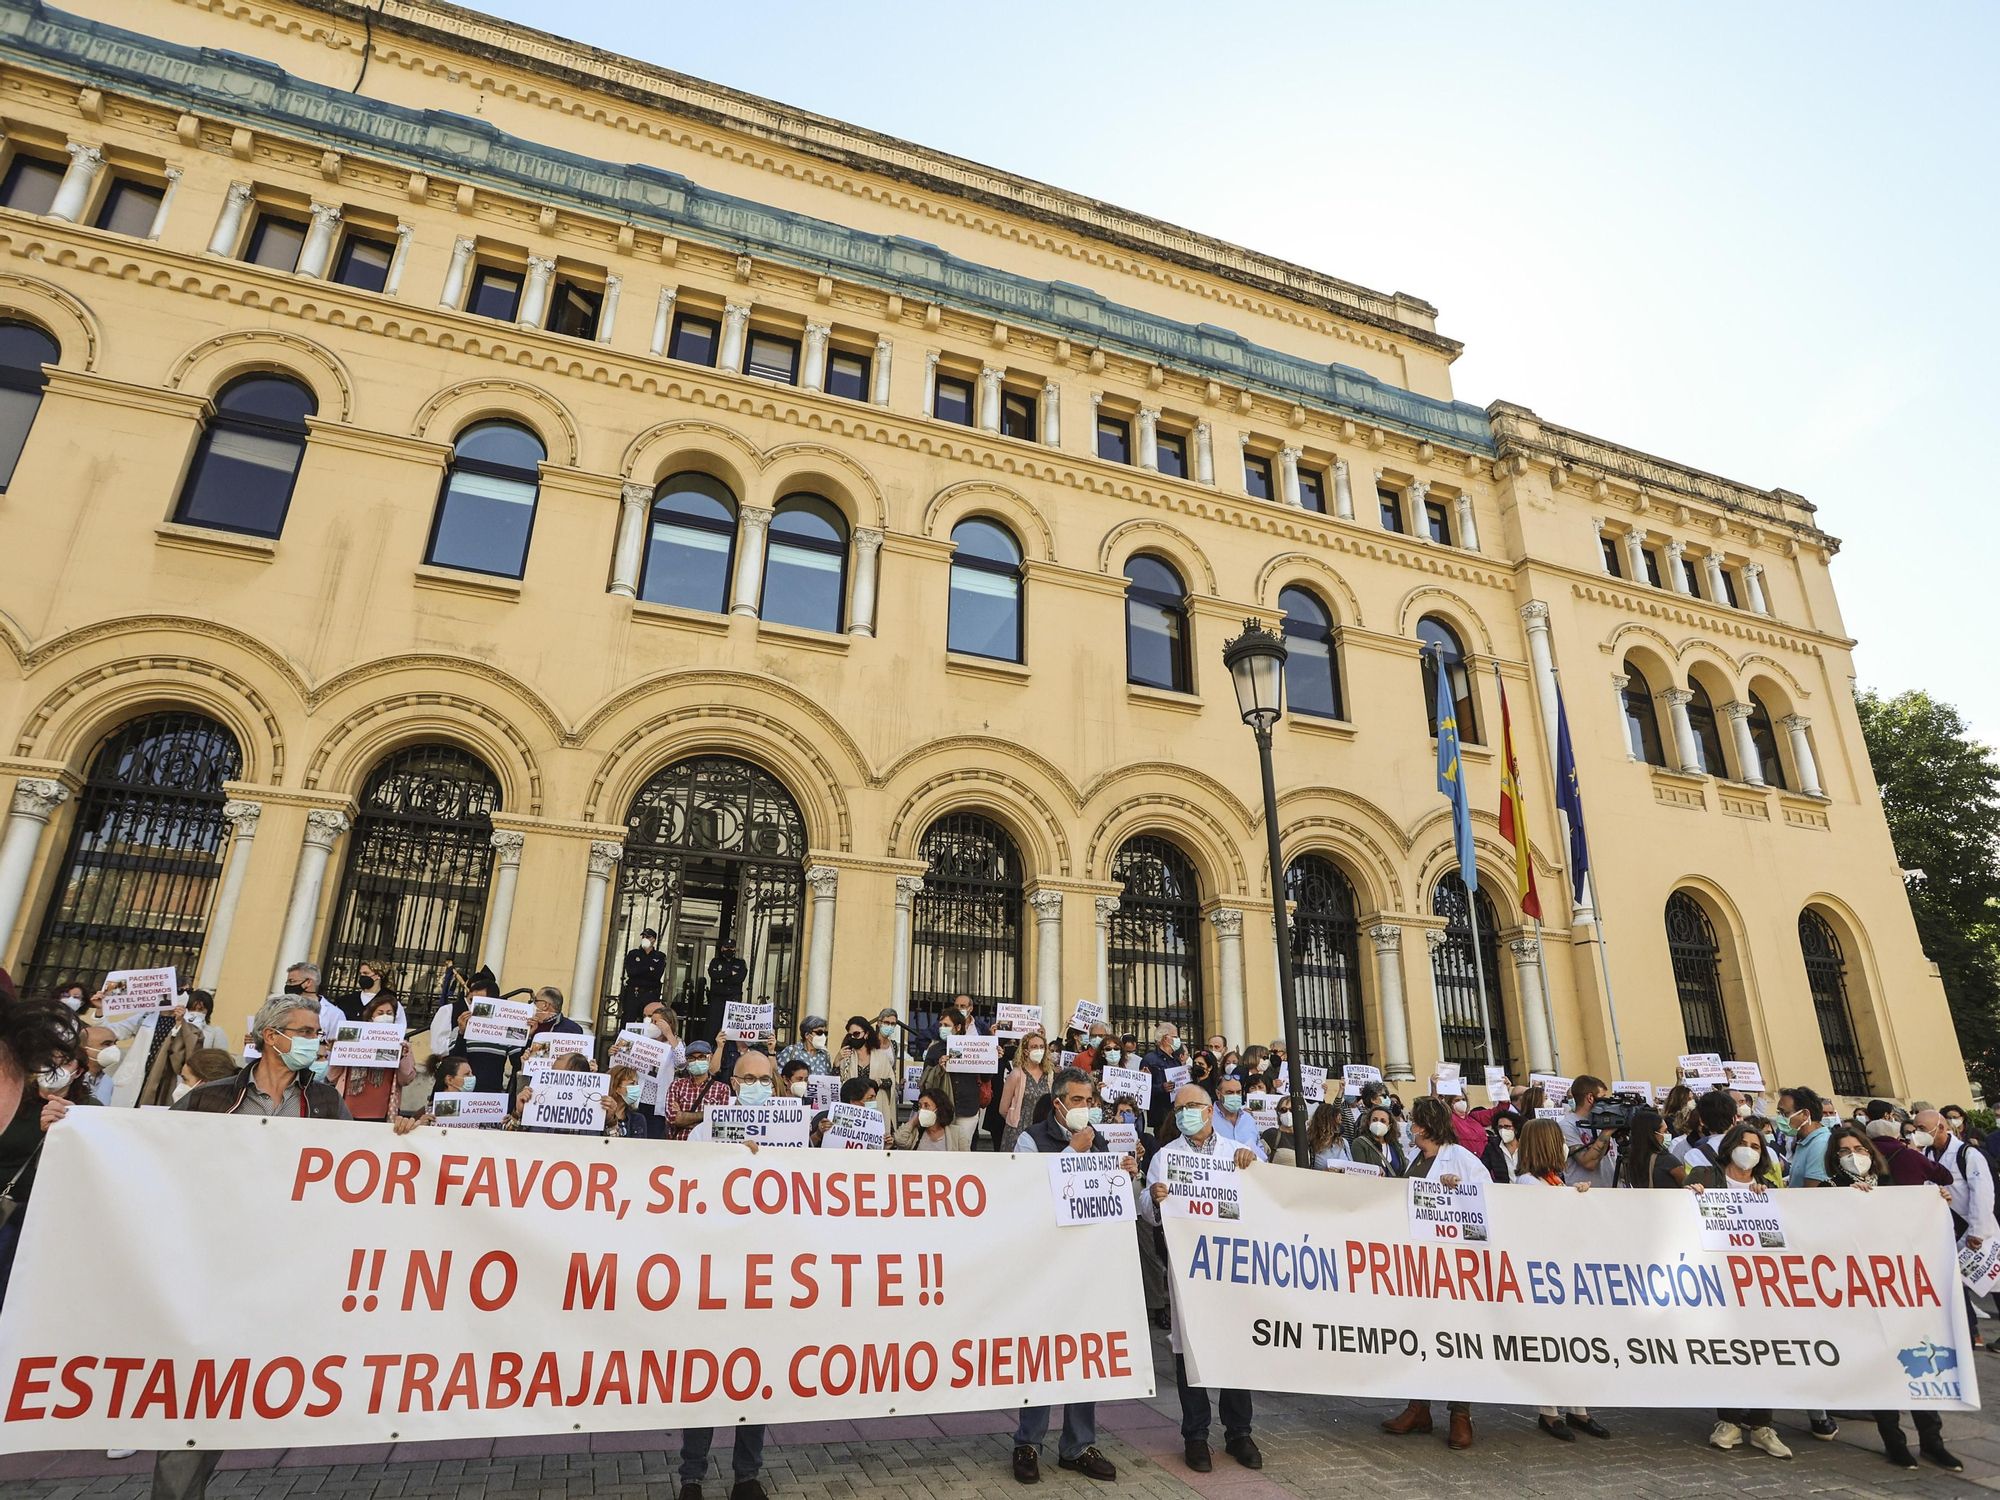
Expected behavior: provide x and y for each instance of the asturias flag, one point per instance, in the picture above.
(1569, 798)
(1451, 779)
(1513, 819)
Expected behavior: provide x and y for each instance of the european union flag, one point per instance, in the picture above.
(1451, 779)
(1569, 798)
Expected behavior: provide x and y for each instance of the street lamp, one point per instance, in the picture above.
(1256, 662)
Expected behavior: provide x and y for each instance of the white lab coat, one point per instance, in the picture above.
(1971, 1189)
(1156, 1171)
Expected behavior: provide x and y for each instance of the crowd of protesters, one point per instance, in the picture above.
(1050, 1092)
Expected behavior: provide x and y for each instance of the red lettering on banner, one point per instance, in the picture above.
(808, 1293)
(713, 1371)
(847, 1263)
(729, 1190)
(647, 1299)
(1925, 1291)
(748, 1387)
(159, 1392)
(1065, 1354)
(462, 1385)
(614, 1378)
(121, 1370)
(661, 1182)
(419, 1370)
(315, 1164)
(26, 1385)
(295, 1376)
(1740, 1275)
(1884, 1269)
(1857, 1284)
(805, 1193)
(603, 1180)
(1508, 1282)
(583, 1381)
(888, 1280)
(1831, 1299)
(775, 1181)
(836, 1195)
(940, 1195)
(323, 1382)
(78, 1387)
(757, 1282)
(701, 1297)
(1093, 1356)
(799, 1388)
(485, 1184)
(518, 1190)
(1121, 1362)
(1767, 1280)
(343, 1184)
(481, 1298)
(381, 1364)
(652, 1377)
(602, 1284)
(1003, 1360)
(546, 1381)
(434, 1283)
(961, 1364)
(503, 1382)
(910, 1367)
(1033, 1359)
(847, 1376)
(569, 1171)
(402, 1174)
(864, 1198)
(881, 1368)
(448, 1175)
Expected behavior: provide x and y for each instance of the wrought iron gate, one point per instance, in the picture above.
(966, 922)
(1155, 939)
(144, 854)
(1458, 983)
(1326, 963)
(1696, 956)
(1826, 976)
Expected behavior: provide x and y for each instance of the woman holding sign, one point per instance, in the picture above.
(375, 1093)
(621, 1105)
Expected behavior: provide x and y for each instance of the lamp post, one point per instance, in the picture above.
(1256, 662)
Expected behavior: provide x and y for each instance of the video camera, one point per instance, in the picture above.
(1612, 1112)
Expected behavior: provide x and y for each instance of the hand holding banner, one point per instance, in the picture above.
(1135, 1084)
(138, 992)
(746, 1022)
(1090, 1187)
(366, 1044)
(972, 1054)
(1010, 1020)
(1088, 1013)
(565, 1101)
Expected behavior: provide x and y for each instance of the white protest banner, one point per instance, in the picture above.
(822, 1090)
(913, 1082)
(1178, 1075)
(366, 1044)
(1124, 1139)
(1084, 1015)
(1691, 1062)
(1356, 1074)
(776, 1122)
(139, 992)
(1135, 1084)
(1450, 1088)
(566, 1101)
(1355, 1168)
(1555, 1088)
(1738, 1219)
(972, 1054)
(855, 1127)
(1643, 1090)
(455, 1108)
(1979, 1269)
(499, 1023)
(1577, 1297)
(743, 1021)
(1089, 1187)
(632, 1050)
(1064, 1059)
(1201, 1187)
(461, 1284)
(1312, 1081)
(1550, 1112)
(1496, 1084)
(1447, 1070)
(1010, 1020)
(1747, 1076)
(1452, 1215)
(1704, 1080)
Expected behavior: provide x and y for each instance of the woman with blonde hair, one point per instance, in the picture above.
(1027, 1085)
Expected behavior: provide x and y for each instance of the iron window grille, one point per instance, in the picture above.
(1155, 939)
(1457, 980)
(966, 921)
(1326, 963)
(1826, 977)
(1697, 962)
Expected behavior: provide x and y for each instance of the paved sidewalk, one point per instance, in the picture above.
(1315, 1448)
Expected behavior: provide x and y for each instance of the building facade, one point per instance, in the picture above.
(470, 498)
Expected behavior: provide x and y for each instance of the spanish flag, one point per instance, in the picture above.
(1513, 819)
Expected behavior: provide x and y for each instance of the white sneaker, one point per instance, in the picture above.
(1726, 1435)
(119, 1452)
(1767, 1440)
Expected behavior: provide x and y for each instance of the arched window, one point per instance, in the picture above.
(1431, 631)
(1457, 977)
(24, 349)
(1767, 749)
(413, 895)
(690, 544)
(1156, 652)
(1707, 737)
(487, 509)
(1642, 722)
(1312, 667)
(966, 922)
(1697, 960)
(1155, 939)
(985, 591)
(143, 855)
(805, 568)
(1826, 977)
(248, 461)
(1326, 963)
(714, 850)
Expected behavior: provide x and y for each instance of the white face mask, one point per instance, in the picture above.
(1742, 1111)
(1036, 1054)
(1856, 1164)
(74, 1002)
(927, 1118)
(1113, 1059)
(181, 1090)
(1746, 1157)
(108, 1057)
(1076, 1119)
(799, 1088)
(1378, 1128)
(646, 943)
(1506, 1134)
(55, 1080)
(197, 1018)
(817, 1041)
(1460, 1106)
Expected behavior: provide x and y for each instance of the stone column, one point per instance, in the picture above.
(1753, 581)
(607, 317)
(1204, 452)
(1468, 524)
(35, 802)
(1711, 567)
(500, 908)
(453, 295)
(884, 348)
(1388, 939)
(1535, 615)
(1418, 519)
(1685, 746)
(1534, 1020)
(1802, 754)
(825, 881)
(748, 590)
(663, 321)
(867, 558)
(79, 177)
(1597, 525)
(989, 398)
(1051, 414)
(242, 817)
(1747, 758)
(173, 175)
(1148, 437)
(1343, 491)
(318, 248)
(735, 325)
(1676, 570)
(229, 223)
(1620, 682)
(813, 377)
(1635, 556)
(1048, 905)
(930, 383)
(1106, 906)
(323, 826)
(394, 282)
(604, 856)
(1229, 949)
(535, 296)
(1288, 476)
(907, 887)
(634, 501)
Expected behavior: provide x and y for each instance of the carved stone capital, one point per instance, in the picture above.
(324, 825)
(173, 174)
(1048, 905)
(1107, 908)
(1753, 570)
(1228, 921)
(507, 843)
(1738, 711)
(635, 495)
(541, 265)
(325, 215)
(1435, 938)
(1675, 697)
(241, 193)
(1387, 937)
(87, 158)
(908, 888)
(818, 330)
(1419, 491)
(754, 517)
(930, 361)
(37, 798)
(1535, 614)
(867, 539)
(1340, 468)
(824, 880)
(1620, 682)
(242, 817)
(1527, 952)
(1290, 455)
(604, 855)
(736, 314)
(1796, 723)
(883, 343)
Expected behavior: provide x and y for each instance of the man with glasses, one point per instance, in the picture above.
(279, 1081)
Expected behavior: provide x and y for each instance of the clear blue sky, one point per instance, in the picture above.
(1759, 240)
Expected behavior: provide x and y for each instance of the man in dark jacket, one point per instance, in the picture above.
(1168, 1052)
(280, 1081)
(726, 973)
(645, 971)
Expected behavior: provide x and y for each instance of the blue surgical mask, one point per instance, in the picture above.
(1233, 1103)
(755, 1092)
(468, 1083)
(697, 1066)
(632, 1093)
(1189, 1119)
(301, 1052)
(318, 1070)
(1096, 1115)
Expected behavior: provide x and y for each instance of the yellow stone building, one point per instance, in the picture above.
(473, 497)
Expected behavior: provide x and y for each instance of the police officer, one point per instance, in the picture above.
(726, 973)
(645, 969)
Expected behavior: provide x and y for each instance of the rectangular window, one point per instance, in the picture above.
(1312, 490)
(954, 400)
(496, 293)
(1392, 509)
(1729, 589)
(364, 263)
(1610, 556)
(130, 207)
(1257, 478)
(1114, 440)
(695, 340)
(1438, 520)
(1690, 572)
(276, 242)
(1170, 452)
(847, 375)
(1653, 568)
(573, 310)
(773, 358)
(1017, 416)
(31, 185)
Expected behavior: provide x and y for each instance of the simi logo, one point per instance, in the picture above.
(1932, 1369)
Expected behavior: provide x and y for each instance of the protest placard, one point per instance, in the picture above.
(1084, 1015)
(1747, 1076)
(499, 1023)
(1550, 1112)
(776, 1122)
(456, 1108)
(1176, 1076)
(1626, 1086)
(366, 1044)
(1739, 1219)
(1355, 1168)
(1262, 1108)
(566, 1101)
(1135, 1084)
(822, 1090)
(1448, 1070)
(1979, 1269)
(1124, 1139)
(1312, 1081)
(1010, 1020)
(1450, 1088)
(1555, 1088)
(855, 1127)
(744, 1021)
(1705, 1079)
(1689, 1062)
(1496, 1085)
(1455, 1215)
(139, 992)
(972, 1054)
(913, 1082)
(1356, 1074)
(1201, 1187)
(1090, 1187)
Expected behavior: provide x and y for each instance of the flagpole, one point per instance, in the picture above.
(1548, 1004)
(1597, 920)
(1478, 963)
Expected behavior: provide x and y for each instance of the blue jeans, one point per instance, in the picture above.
(1195, 1409)
(746, 1460)
(1079, 1427)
